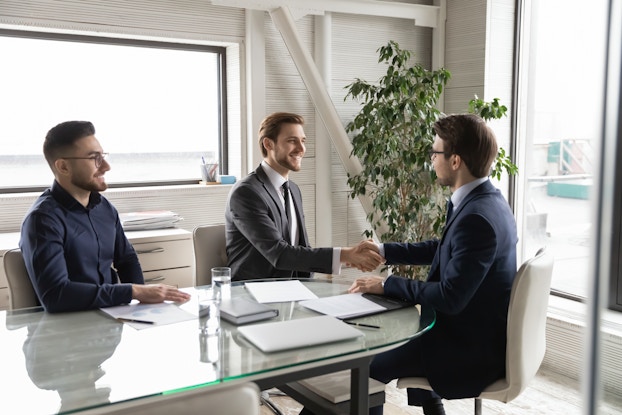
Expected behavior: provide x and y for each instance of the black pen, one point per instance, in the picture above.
(131, 320)
(367, 326)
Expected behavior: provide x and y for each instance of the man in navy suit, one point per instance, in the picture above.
(265, 232)
(470, 279)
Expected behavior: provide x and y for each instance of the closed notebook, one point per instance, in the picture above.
(242, 311)
(303, 332)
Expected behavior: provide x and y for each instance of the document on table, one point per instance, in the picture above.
(344, 305)
(142, 316)
(279, 291)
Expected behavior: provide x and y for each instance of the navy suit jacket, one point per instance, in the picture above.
(255, 221)
(472, 269)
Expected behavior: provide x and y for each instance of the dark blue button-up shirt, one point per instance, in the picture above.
(77, 256)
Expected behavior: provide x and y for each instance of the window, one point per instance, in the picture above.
(157, 107)
(560, 122)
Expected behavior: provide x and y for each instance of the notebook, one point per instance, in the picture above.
(303, 332)
(388, 303)
(243, 311)
(335, 387)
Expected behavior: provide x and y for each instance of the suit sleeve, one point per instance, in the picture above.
(421, 253)
(464, 264)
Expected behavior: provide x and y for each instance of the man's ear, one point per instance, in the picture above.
(456, 161)
(61, 167)
(268, 144)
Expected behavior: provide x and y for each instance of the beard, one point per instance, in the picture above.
(90, 184)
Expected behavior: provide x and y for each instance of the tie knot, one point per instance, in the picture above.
(285, 186)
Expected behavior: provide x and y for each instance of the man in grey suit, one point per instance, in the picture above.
(264, 218)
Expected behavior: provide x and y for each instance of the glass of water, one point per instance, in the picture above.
(209, 311)
(221, 281)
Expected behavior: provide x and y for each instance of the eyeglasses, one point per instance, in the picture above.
(433, 153)
(98, 158)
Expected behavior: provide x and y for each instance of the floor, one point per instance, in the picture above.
(548, 393)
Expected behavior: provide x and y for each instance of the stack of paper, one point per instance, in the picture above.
(154, 219)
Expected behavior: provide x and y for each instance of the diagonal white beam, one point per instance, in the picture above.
(312, 79)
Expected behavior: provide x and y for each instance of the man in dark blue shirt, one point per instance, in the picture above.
(75, 250)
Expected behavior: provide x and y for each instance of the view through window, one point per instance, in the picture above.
(562, 118)
(155, 106)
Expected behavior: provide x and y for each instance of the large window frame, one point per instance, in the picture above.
(220, 52)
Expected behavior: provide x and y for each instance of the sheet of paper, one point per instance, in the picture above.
(343, 306)
(279, 291)
(159, 314)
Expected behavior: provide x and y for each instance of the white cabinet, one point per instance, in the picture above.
(166, 256)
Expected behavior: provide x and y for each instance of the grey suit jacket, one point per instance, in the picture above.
(255, 221)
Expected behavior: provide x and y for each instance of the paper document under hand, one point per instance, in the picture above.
(157, 314)
(279, 291)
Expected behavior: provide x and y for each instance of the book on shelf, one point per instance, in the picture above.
(242, 311)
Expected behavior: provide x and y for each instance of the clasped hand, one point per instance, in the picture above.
(365, 256)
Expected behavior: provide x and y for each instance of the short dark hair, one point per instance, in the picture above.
(63, 136)
(468, 136)
(271, 126)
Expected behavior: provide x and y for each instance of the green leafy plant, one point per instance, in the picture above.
(488, 111)
(392, 136)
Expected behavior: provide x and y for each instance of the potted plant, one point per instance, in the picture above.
(392, 137)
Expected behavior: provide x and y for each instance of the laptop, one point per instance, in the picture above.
(293, 334)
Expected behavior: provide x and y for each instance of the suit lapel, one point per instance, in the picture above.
(276, 200)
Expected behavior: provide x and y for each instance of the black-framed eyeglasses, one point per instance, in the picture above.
(98, 158)
(433, 153)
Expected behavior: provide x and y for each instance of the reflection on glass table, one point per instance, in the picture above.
(75, 361)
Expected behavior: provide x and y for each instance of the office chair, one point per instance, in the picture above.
(526, 332)
(21, 292)
(225, 399)
(209, 251)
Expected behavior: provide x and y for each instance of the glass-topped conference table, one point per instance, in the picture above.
(72, 362)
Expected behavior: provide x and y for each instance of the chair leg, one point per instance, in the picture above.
(478, 406)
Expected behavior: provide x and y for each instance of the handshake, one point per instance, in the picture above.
(365, 256)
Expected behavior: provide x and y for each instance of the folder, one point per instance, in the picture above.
(242, 311)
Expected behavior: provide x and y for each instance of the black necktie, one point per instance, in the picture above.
(286, 197)
(450, 210)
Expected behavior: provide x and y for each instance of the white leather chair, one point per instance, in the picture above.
(209, 251)
(21, 292)
(225, 399)
(526, 332)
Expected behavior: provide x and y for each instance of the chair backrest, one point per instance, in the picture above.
(210, 250)
(21, 292)
(526, 329)
(237, 399)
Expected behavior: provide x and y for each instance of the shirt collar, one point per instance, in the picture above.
(458, 196)
(275, 178)
(66, 200)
